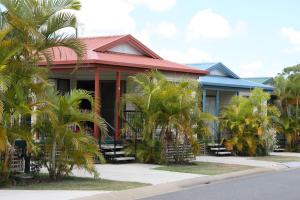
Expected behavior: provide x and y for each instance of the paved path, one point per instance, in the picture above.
(289, 154)
(277, 185)
(241, 161)
(143, 173)
(45, 194)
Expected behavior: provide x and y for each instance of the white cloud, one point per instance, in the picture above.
(192, 55)
(102, 17)
(207, 24)
(252, 69)
(240, 28)
(98, 17)
(156, 5)
(293, 36)
(165, 29)
(144, 36)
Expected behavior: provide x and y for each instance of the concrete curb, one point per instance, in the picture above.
(148, 191)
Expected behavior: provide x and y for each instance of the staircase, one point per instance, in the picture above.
(112, 150)
(278, 148)
(115, 153)
(218, 150)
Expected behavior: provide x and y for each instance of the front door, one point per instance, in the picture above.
(211, 108)
(108, 94)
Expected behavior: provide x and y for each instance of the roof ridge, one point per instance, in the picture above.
(105, 36)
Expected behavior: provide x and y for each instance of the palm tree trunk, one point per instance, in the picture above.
(52, 172)
(5, 167)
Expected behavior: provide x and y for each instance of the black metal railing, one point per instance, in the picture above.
(114, 139)
(133, 122)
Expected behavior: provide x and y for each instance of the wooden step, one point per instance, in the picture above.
(223, 153)
(111, 146)
(124, 158)
(279, 150)
(214, 145)
(218, 149)
(111, 153)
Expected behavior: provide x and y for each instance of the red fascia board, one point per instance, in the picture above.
(145, 67)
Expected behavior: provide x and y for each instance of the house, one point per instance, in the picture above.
(219, 86)
(105, 68)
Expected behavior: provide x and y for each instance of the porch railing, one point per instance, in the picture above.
(132, 122)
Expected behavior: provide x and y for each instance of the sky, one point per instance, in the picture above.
(251, 37)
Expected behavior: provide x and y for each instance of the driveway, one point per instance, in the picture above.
(143, 173)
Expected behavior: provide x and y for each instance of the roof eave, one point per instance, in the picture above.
(134, 65)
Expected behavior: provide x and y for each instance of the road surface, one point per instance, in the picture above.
(280, 185)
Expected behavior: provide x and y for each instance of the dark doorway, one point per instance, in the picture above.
(89, 86)
(107, 100)
(108, 94)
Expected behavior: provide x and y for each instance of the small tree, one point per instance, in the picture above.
(63, 139)
(250, 123)
(287, 90)
(170, 113)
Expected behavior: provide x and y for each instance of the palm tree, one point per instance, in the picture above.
(40, 25)
(250, 123)
(64, 140)
(29, 30)
(7, 49)
(170, 114)
(288, 92)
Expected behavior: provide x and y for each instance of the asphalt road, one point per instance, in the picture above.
(280, 185)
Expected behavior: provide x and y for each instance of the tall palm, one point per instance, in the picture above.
(288, 85)
(29, 30)
(61, 127)
(40, 25)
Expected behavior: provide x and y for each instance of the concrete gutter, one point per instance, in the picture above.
(148, 191)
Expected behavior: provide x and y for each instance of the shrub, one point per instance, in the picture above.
(250, 123)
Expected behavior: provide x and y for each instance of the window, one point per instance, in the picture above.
(63, 85)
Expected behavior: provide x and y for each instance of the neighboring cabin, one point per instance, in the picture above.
(219, 86)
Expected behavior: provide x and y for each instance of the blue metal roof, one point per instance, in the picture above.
(221, 81)
(202, 66)
(215, 66)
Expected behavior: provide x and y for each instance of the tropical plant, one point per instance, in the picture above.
(63, 139)
(29, 30)
(250, 123)
(40, 25)
(170, 113)
(288, 92)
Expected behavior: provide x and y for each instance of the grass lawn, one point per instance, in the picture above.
(204, 168)
(76, 183)
(280, 159)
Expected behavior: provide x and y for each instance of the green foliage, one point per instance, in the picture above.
(287, 89)
(63, 138)
(29, 29)
(39, 25)
(170, 114)
(250, 123)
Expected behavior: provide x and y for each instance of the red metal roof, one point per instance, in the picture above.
(97, 53)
